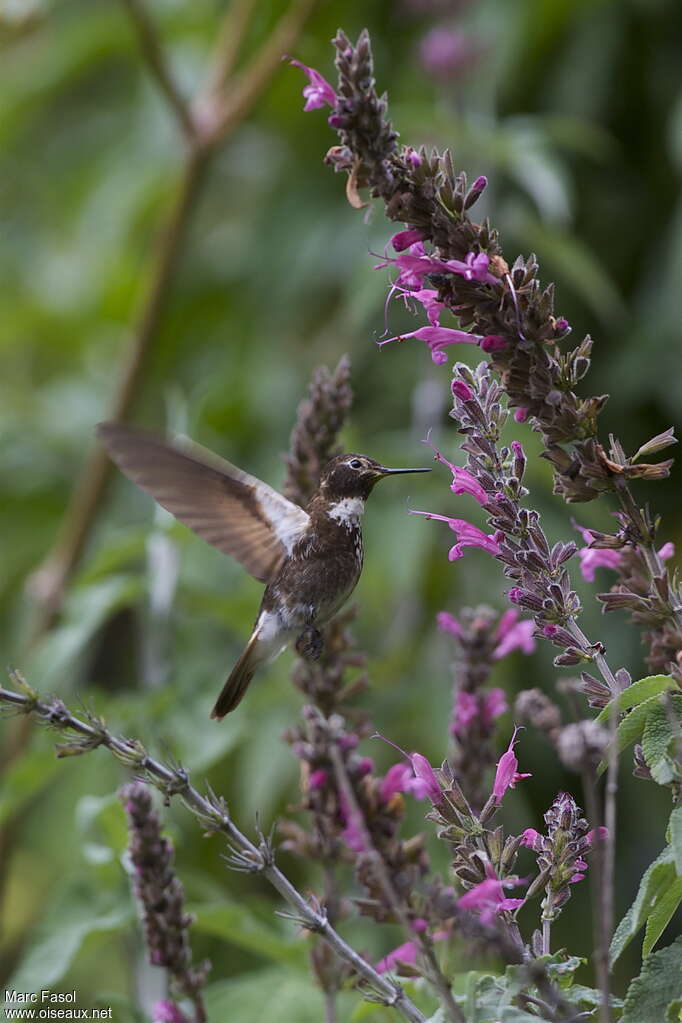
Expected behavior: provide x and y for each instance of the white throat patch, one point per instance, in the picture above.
(347, 511)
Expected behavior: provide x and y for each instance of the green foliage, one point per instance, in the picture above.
(78, 913)
(655, 720)
(236, 924)
(488, 998)
(651, 993)
(659, 894)
(578, 125)
(660, 739)
(274, 993)
(637, 693)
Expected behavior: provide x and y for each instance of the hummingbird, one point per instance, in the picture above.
(310, 559)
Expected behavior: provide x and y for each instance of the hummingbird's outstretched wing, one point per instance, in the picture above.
(235, 512)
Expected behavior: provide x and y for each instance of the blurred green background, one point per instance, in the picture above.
(574, 112)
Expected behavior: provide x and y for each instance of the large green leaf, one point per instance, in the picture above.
(659, 983)
(661, 732)
(271, 994)
(637, 693)
(631, 728)
(661, 914)
(29, 775)
(77, 913)
(656, 880)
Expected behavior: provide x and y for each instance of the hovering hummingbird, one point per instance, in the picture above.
(310, 559)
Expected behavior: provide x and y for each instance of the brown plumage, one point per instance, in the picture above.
(311, 560)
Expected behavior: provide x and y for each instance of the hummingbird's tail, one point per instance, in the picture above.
(233, 691)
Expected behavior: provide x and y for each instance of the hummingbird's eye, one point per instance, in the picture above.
(355, 463)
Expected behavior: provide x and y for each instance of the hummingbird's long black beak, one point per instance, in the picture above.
(398, 472)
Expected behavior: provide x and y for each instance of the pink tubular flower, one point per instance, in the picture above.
(530, 838)
(591, 558)
(448, 623)
(317, 778)
(513, 635)
(493, 343)
(396, 779)
(599, 834)
(506, 775)
(462, 480)
(487, 898)
(470, 707)
(408, 952)
(415, 264)
(467, 535)
(436, 338)
(428, 298)
(494, 706)
(465, 713)
(352, 833)
(418, 777)
(318, 93)
(403, 239)
(166, 1011)
(474, 268)
(444, 52)
(425, 783)
(412, 156)
(461, 390)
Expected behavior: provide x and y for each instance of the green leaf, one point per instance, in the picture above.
(632, 726)
(674, 836)
(270, 994)
(561, 967)
(674, 1011)
(661, 915)
(76, 914)
(590, 998)
(662, 728)
(236, 923)
(650, 994)
(29, 776)
(656, 880)
(637, 693)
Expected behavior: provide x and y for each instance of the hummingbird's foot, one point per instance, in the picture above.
(310, 643)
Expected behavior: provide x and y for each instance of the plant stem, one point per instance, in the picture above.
(155, 59)
(434, 973)
(213, 814)
(601, 937)
(546, 936)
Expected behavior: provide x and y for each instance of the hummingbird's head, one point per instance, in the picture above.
(355, 476)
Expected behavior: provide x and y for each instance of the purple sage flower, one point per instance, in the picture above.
(166, 1011)
(436, 339)
(446, 52)
(506, 775)
(403, 239)
(318, 93)
(467, 535)
(514, 635)
(448, 623)
(462, 481)
(487, 898)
